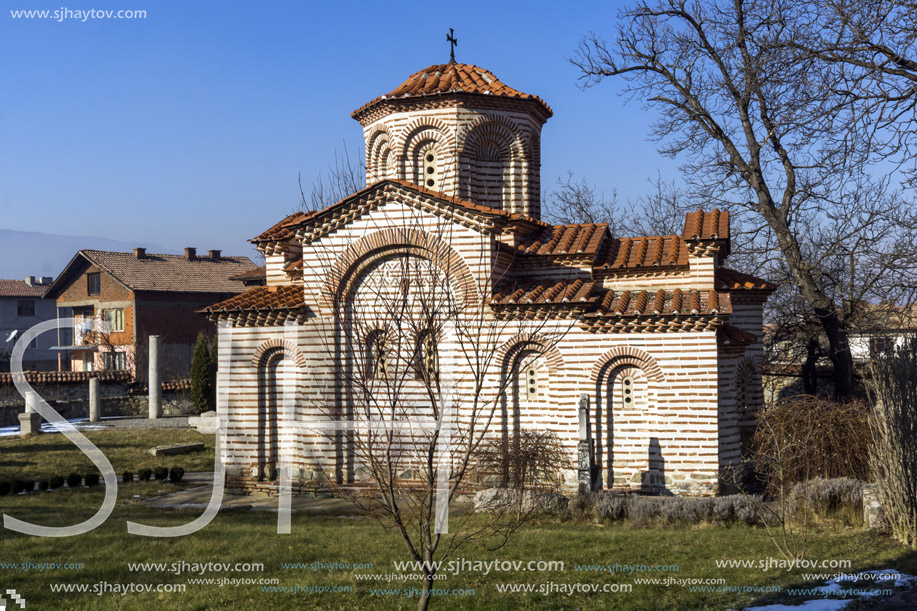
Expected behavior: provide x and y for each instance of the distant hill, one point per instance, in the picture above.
(31, 253)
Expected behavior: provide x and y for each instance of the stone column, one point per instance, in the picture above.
(584, 447)
(93, 399)
(155, 388)
(30, 420)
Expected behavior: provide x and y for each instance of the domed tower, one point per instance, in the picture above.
(455, 128)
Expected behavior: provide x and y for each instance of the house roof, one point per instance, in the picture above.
(160, 273)
(452, 79)
(256, 273)
(20, 288)
(261, 299)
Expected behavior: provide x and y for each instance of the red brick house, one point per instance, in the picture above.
(140, 294)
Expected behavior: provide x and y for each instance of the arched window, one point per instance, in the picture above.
(425, 363)
(377, 357)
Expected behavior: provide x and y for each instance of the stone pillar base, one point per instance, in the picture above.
(29, 423)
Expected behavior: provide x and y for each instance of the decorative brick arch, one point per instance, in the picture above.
(552, 356)
(384, 243)
(490, 125)
(377, 140)
(406, 137)
(627, 355)
(290, 350)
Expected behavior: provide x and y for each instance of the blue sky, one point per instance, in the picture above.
(189, 127)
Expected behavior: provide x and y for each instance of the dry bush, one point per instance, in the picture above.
(535, 460)
(804, 437)
(893, 425)
(643, 511)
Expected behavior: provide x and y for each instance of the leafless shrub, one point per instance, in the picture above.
(893, 426)
(804, 437)
(825, 496)
(535, 460)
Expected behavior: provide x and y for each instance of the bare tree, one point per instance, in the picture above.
(765, 134)
(420, 378)
(344, 176)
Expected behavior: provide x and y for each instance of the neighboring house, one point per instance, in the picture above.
(22, 305)
(663, 338)
(119, 299)
(886, 326)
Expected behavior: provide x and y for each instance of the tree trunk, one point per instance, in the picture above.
(839, 353)
(424, 601)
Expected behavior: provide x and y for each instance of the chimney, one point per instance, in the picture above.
(47, 280)
(140, 252)
(30, 280)
(214, 254)
(190, 253)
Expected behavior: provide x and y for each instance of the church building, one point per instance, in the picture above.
(659, 335)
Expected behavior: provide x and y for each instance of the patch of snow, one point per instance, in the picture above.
(82, 424)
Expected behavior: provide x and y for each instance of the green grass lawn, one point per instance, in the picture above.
(46, 455)
(250, 537)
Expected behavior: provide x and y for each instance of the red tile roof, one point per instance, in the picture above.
(262, 298)
(730, 280)
(713, 225)
(655, 251)
(19, 288)
(535, 293)
(582, 239)
(728, 335)
(453, 78)
(663, 303)
(285, 229)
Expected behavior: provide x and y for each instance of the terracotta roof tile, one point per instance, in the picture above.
(19, 288)
(728, 335)
(452, 78)
(655, 251)
(663, 303)
(731, 280)
(582, 239)
(534, 293)
(713, 225)
(262, 298)
(284, 229)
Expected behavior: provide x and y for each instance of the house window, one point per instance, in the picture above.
(114, 361)
(114, 318)
(25, 307)
(93, 284)
(881, 345)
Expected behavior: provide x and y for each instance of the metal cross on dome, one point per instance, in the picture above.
(453, 41)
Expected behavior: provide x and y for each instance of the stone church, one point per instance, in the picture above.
(659, 335)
